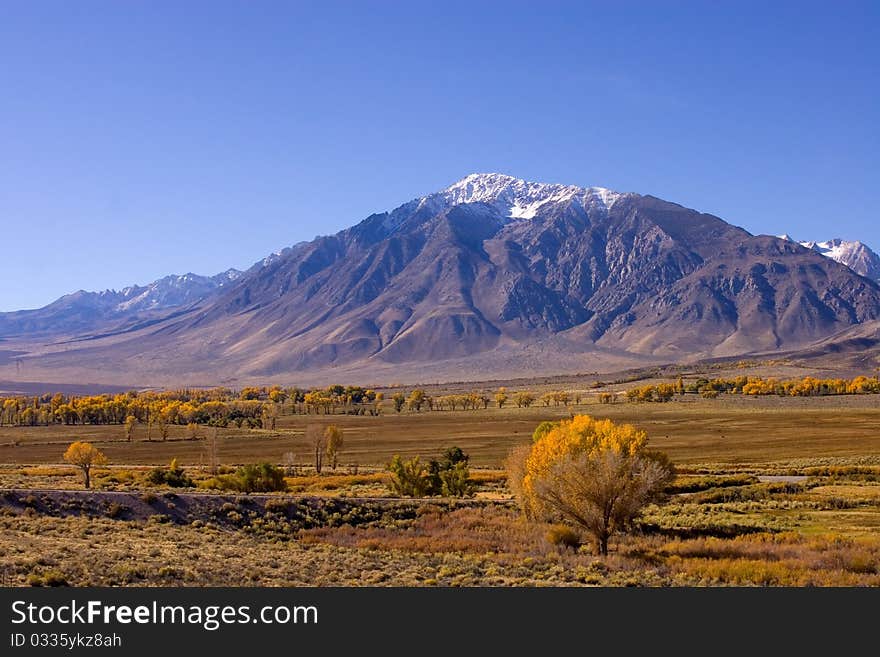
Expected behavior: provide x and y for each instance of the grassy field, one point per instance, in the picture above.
(731, 429)
(770, 491)
(822, 532)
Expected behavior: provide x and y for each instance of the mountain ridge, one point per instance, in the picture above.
(494, 273)
(91, 311)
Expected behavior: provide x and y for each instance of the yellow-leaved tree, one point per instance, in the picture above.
(593, 474)
(84, 456)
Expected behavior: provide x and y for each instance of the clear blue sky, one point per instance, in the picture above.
(143, 138)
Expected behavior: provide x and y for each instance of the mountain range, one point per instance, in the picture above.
(84, 311)
(492, 276)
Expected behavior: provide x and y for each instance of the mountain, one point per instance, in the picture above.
(490, 276)
(89, 311)
(855, 255)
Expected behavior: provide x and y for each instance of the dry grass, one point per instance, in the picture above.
(732, 430)
(464, 546)
(721, 526)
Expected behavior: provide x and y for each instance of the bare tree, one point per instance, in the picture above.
(515, 466)
(213, 452)
(290, 463)
(315, 437)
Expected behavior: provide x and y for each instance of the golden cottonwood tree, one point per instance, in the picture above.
(84, 456)
(334, 438)
(593, 474)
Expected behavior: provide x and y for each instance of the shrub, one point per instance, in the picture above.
(116, 510)
(258, 478)
(542, 430)
(455, 481)
(564, 536)
(280, 506)
(49, 578)
(449, 476)
(173, 476)
(408, 478)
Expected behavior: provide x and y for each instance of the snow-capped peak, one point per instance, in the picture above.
(854, 254)
(520, 199)
(836, 249)
(173, 290)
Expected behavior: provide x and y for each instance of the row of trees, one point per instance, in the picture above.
(756, 386)
(662, 392)
(418, 400)
(254, 407)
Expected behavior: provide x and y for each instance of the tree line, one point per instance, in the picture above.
(418, 400)
(252, 406)
(755, 386)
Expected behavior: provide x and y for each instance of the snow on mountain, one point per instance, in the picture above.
(854, 254)
(81, 311)
(518, 198)
(515, 198)
(174, 290)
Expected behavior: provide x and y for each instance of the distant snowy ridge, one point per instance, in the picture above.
(170, 291)
(854, 254)
(82, 312)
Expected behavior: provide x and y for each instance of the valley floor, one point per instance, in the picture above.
(779, 492)
(819, 527)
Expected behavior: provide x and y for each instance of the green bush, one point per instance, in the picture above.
(543, 429)
(49, 578)
(256, 478)
(455, 481)
(447, 476)
(694, 484)
(409, 478)
(173, 476)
